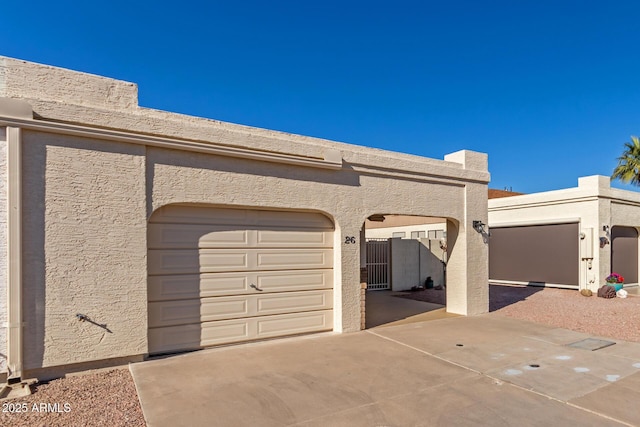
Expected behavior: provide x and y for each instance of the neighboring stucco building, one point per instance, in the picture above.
(571, 238)
(132, 231)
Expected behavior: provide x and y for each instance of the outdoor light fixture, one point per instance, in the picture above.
(376, 218)
(605, 228)
(479, 226)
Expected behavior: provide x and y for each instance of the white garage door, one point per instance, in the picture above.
(219, 276)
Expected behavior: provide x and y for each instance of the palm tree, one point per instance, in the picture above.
(628, 169)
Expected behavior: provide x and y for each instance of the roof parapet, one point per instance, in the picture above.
(24, 79)
(469, 160)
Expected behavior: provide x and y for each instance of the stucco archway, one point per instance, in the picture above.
(403, 261)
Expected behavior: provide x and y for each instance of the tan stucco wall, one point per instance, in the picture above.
(468, 254)
(84, 249)
(87, 201)
(402, 221)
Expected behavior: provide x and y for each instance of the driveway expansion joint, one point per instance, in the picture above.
(500, 381)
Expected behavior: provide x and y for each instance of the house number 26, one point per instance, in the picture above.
(349, 239)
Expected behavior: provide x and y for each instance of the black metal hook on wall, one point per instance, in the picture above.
(85, 318)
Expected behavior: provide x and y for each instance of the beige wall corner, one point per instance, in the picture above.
(594, 182)
(469, 159)
(333, 156)
(15, 108)
(23, 79)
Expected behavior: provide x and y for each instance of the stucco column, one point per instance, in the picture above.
(14, 314)
(598, 218)
(468, 249)
(348, 301)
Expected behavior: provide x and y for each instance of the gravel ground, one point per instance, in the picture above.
(109, 398)
(105, 398)
(617, 318)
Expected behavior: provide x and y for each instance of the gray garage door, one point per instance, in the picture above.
(219, 276)
(624, 253)
(538, 253)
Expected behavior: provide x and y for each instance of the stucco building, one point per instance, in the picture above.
(573, 237)
(128, 231)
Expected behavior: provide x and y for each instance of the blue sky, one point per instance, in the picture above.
(549, 89)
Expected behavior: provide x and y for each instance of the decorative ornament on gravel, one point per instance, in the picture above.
(615, 280)
(607, 291)
(586, 292)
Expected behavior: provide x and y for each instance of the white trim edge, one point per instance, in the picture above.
(332, 158)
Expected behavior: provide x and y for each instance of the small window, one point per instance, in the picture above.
(399, 234)
(418, 234)
(437, 234)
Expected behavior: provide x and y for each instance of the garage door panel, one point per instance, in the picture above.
(295, 280)
(248, 218)
(172, 262)
(296, 323)
(174, 236)
(188, 337)
(193, 261)
(197, 285)
(172, 313)
(183, 261)
(298, 220)
(177, 236)
(302, 239)
(292, 259)
(162, 288)
(293, 302)
(181, 214)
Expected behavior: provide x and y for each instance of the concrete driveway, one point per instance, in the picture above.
(461, 371)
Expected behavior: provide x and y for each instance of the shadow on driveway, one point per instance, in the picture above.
(500, 296)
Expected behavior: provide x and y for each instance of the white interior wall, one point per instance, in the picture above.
(431, 257)
(405, 264)
(387, 232)
(412, 262)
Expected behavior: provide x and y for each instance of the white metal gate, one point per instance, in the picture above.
(378, 264)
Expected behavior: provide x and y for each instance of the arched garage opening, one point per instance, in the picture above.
(624, 253)
(404, 260)
(221, 275)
